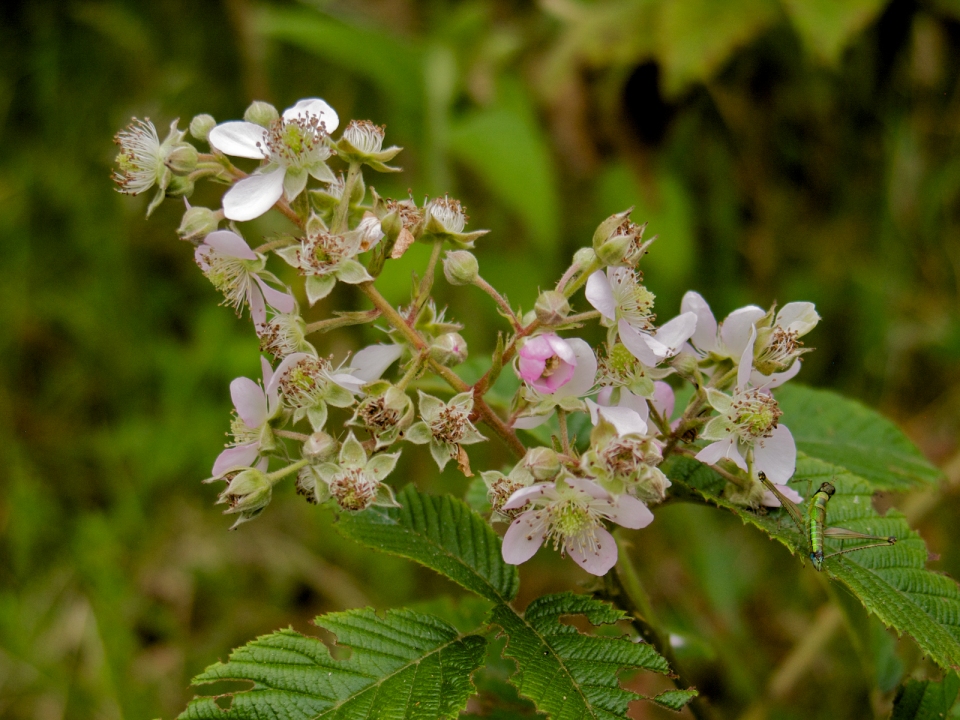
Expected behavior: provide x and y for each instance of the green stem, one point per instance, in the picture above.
(344, 320)
(299, 437)
(500, 300)
(278, 475)
(415, 365)
(564, 435)
(342, 213)
(426, 284)
(274, 244)
(582, 317)
(581, 280)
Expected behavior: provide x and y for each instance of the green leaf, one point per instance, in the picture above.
(926, 700)
(402, 665)
(675, 699)
(844, 432)
(891, 582)
(441, 533)
(827, 26)
(566, 673)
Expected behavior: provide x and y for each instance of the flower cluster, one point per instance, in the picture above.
(564, 491)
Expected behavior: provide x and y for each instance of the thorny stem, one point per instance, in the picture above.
(344, 320)
(483, 410)
(564, 435)
(415, 366)
(341, 215)
(500, 300)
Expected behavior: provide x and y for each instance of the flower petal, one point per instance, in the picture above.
(664, 398)
(771, 500)
(524, 495)
(530, 422)
(798, 317)
(227, 242)
(777, 455)
(705, 337)
(250, 402)
(561, 348)
(258, 310)
(735, 330)
(643, 347)
(254, 195)
(276, 299)
(371, 362)
(675, 333)
(313, 107)
(625, 420)
(600, 295)
(629, 512)
(240, 456)
(600, 561)
(634, 402)
(585, 372)
(745, 367)
(239, 139)
(714, 452)
(589, 487)
(522, 539)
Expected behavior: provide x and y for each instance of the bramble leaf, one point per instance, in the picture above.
(571, 675)
(925, 700)
(846, 433)
(891, 582)
(441, 533)
(403, 665)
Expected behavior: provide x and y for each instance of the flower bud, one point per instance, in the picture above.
(617, 240)
(180, 186)
(182, 160)
(201, 126)
(551, 307)
(248, 492)
(261, 113)
(320, 447)
(542, 462)
(584, 257)
(686, 366)
(198, 222)
(460, 267)
(449, 349)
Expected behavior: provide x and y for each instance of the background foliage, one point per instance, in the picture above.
(780, 149)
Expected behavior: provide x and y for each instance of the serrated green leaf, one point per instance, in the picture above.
(441, 533)
(675, 699)
(891, 582)
(925, 700)
(846, 433)
(404, 665)
(568, 674)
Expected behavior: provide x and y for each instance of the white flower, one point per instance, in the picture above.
(251, 427)
(294, 147)
(653, 348)
(569, 514)
(619, 295)
(445, 427)
(356, 481)
(234, 269)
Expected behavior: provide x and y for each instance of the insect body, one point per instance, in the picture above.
(815, 528)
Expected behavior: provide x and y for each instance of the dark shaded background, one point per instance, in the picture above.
(781, 150)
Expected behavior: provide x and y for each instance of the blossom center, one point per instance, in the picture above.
(305, 384)
(450, 425)
(755, 415)
(321, 253)
(365, 136)
(354, 489)
(377, 416)
(449, 213)
(295, 142)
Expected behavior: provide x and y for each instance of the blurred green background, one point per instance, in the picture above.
(781, 149)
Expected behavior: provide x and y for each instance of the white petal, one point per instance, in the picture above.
(239, 139)
(227, 242)
(599, 562)
(348, 382)
(254, 195)
(635, 403)
(643, 347)
(317, 108)
(798, 317)
(589, 487)
(777, 455)
(714, 452)
(561, 348)
(529, 422)
(771, 500)
(735, 330)
(371, 362)
(240, 456)
(250, 402)
(522, 539)
(705, 337)
(768, 382)
(600, 295)
(258, 310)
(625, 420)
(585, 372)
(282, 301)
(663, 398)
(676, 332)
(524, 495)
(629, 513)
(289, 361)
(745, 368)
(267, 369)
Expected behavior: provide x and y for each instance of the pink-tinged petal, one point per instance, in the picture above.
(348, 382)
(371, 362)
(314, 107)
(641, 346)
(635, 403)
(745, 368)
(272, 391)
(200, 255)
(530, 421)
(663, 399)
(624, 420)
(776, 455)
(254, 195)
(561, 348)
(267, 370)
(288, 362)
(262, 464)
(241, 456)
(239, 139)
(522, 539)
(630, 513)
(560, 376)
(524, 495)
(258, 309)
(276, 299)
(600, 561)
(675, 333)
(585, 372)
(603, 397)
(589, 487)
(735, 330)
(722, 449)
(705, 337)
(229, 243)
(768, 382)
(250, 401)
(537, 348)
(600, 295)
(530, 368)
(771, 500)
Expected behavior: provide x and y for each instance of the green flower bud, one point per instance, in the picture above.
(460, 267)
(247, 493)
(180, 186)
(261, 113)
(198, 222)
(542, 462)
(182, 160)
(449, 349)
(584, 257)
(617, 241)
(201, 126)
(320, 447)
(551, 307)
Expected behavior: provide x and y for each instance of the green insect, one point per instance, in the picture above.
(814, 526)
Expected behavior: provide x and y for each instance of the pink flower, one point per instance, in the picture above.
(547, 362)
(570, 513)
